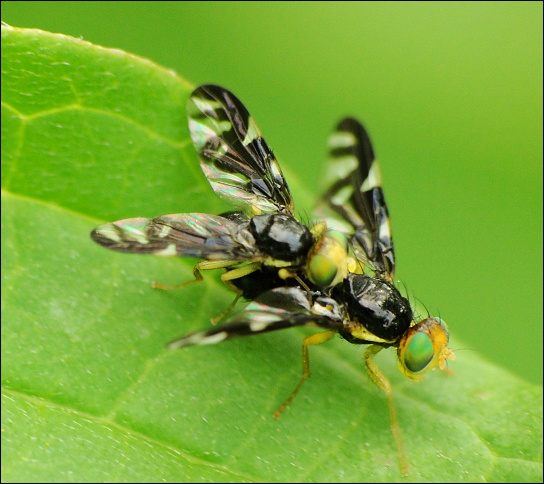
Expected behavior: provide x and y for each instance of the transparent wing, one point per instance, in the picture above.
(234, 156)
(354, 202)
(280, 308)
(210, 237)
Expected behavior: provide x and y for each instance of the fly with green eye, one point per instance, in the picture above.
(364, 307)
(337, 276)
(262, 234)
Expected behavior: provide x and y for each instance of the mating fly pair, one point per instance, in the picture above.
(336, 275)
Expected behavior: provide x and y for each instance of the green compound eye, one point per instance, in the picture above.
(321, 270)
(418, 353)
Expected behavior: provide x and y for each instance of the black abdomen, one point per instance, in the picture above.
(377, 305)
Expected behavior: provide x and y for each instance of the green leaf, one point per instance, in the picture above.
(89, 392)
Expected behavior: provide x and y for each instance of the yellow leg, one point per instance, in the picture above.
(286, 274)
(228, 276)
(238, 292)
(380, 380)
(240, 271)
(204, 265)
(225, 277)
(314, 339)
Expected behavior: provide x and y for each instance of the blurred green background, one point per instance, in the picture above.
(451, 93)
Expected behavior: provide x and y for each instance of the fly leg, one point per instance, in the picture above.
(380, 379)
(314, 339)
(226, 277)
(204, 265)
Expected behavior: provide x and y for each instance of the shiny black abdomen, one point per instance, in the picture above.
(281, 237)
(376, 304)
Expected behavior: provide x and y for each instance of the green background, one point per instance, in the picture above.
(451, 94)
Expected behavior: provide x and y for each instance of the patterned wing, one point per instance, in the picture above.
(200, 235)
(354, 202)
(234, 156)
(280, 308)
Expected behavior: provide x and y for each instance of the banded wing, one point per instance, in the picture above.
(200, 235)
(234, 156)
(280, 308)
(354, 202)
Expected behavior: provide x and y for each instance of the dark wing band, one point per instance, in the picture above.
(234, 156)
(210, 237)
(354, 202)
(280, 308)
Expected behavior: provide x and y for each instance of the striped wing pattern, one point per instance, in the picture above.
(234, 156)
(200, 235)
(280, 308)
(354, 202)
